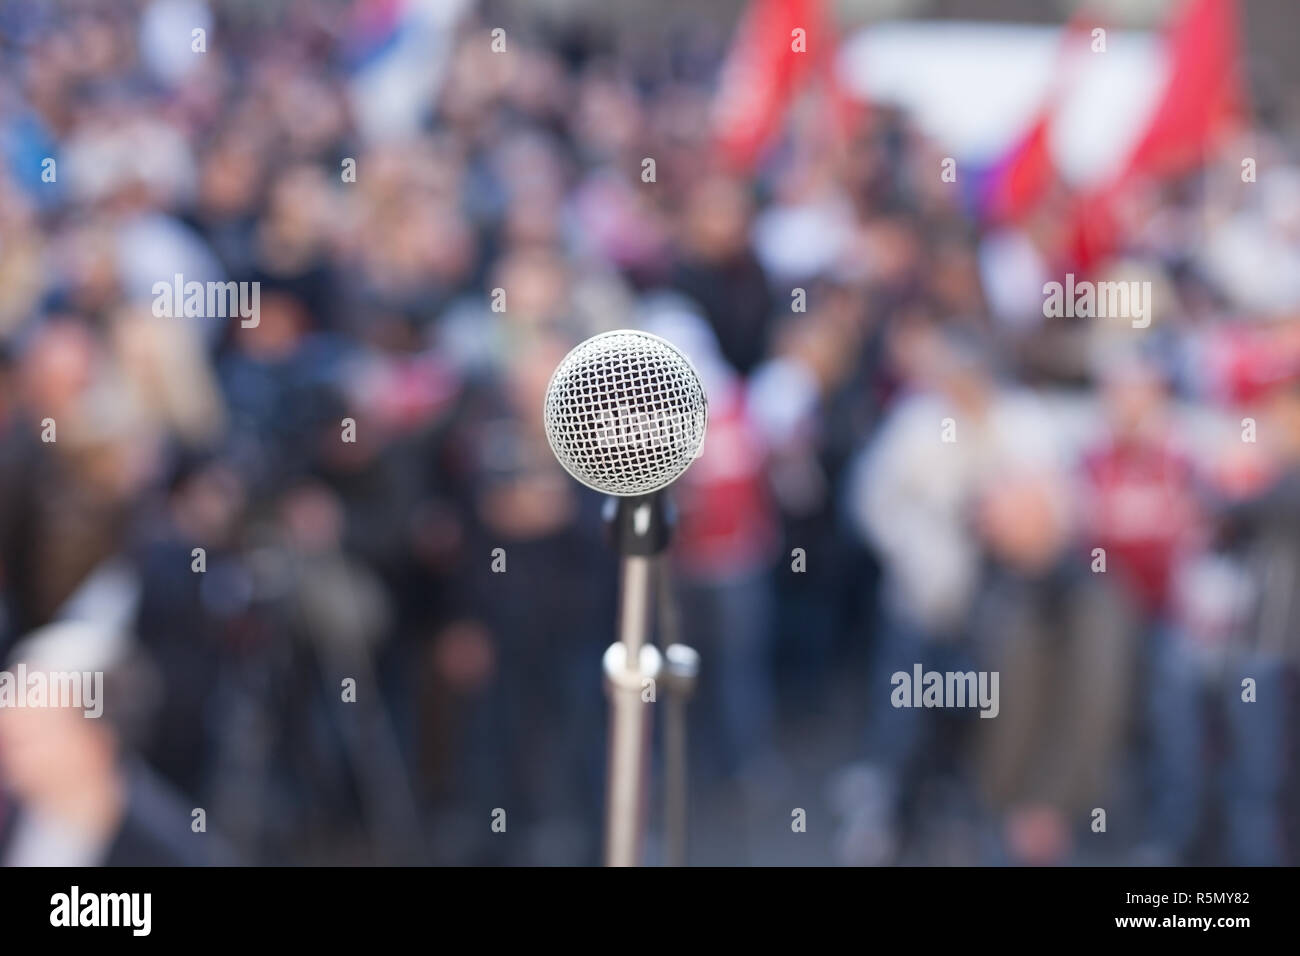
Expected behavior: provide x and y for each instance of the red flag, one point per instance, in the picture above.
(1203, 95)
(1202, 99)
(767, 65)
(1023, 177)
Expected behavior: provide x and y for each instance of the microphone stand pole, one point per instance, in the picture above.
(641, 527)
(681, 670)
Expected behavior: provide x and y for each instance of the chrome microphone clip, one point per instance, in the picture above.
(640, 526)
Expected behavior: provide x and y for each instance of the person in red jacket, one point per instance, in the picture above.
(1140, 498)
(723, 550)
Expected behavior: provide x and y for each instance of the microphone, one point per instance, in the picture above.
(625, 414)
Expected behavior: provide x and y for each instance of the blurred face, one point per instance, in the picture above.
(537, 284)
(210, 503)
(955, 279)
(313, 518)
(310, 113)
(822, 346)
(1020, 524)
(529, 373)
(717, 219)
(47, 754)
(538, 85)
(893, 249)
(228, 181)
(608, 116)
(59, 366)
(967, 388)
(279, 329)
(300, 207)
(1135, 405)
(533, 220)
(443, 241)
(911, 345)
(91, 269)
(1284, 410)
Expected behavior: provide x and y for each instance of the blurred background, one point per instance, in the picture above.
(848, 223)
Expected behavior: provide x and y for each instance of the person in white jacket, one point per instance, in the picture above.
(924, 494)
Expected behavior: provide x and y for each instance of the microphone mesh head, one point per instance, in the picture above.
(625, 413)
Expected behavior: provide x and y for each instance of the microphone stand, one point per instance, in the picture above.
(681, 670)
(641, 527)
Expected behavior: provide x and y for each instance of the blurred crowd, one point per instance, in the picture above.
(906, 463)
